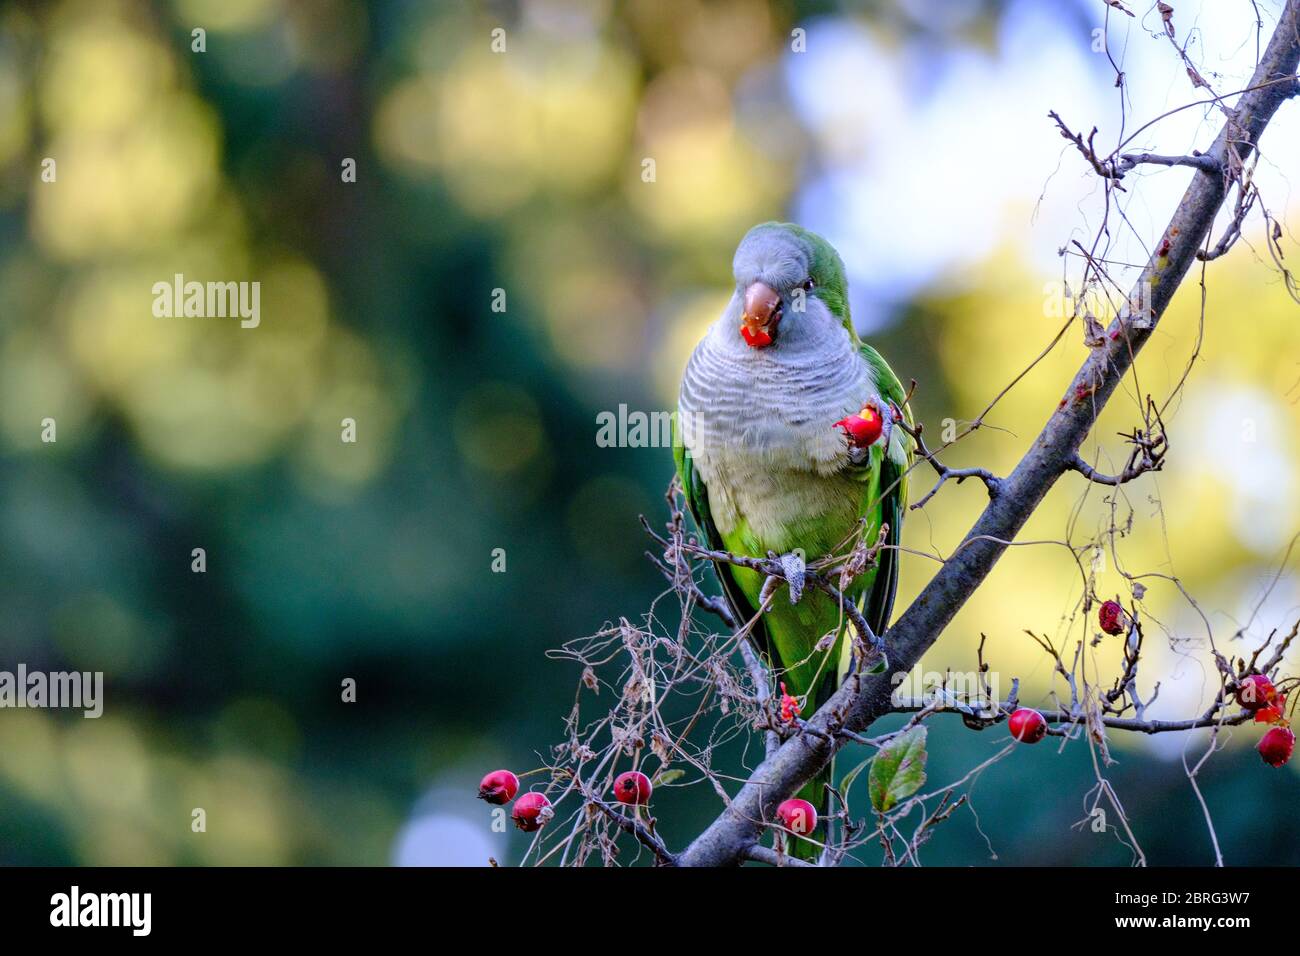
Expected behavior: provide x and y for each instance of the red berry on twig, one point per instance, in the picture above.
(1027, 725)
(797, 816)
(1255, 692)
(632, 787)
(532, 811)
(500, 786)
(1111, 617)
(1275, 747)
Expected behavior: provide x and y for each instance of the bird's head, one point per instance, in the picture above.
(790, 283)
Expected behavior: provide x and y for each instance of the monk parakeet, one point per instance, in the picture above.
(778, 451)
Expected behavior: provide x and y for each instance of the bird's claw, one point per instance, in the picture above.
(794, 568)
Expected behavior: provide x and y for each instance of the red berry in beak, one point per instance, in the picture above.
(797, 816)
(632, 787)
(863, 428)
(1256, 692)
(1027, 726)
(500, 786)
(762, 314)
(532, 811)
(1111, 618)
(1276, 746)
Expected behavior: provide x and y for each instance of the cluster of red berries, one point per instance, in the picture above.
(1256, 693)
(533, 810)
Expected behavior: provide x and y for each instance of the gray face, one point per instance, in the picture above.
(773, 256)
(771, 260)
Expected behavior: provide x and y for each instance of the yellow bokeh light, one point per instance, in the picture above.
(709, 185)
(106, 762)
(355, 385)
(100, 73)
(30, 739)
(501, 127)
(128, 189)
(232, 16)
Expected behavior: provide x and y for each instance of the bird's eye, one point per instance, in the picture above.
(807, 284)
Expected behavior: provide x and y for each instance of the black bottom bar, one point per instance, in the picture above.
(501, 907)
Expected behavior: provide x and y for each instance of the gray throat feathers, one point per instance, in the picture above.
(759, 423)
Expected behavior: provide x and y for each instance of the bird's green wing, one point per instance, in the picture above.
(894, 467)
(697, 500)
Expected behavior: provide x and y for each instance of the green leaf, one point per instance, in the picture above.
(898, 769)
(665, 777)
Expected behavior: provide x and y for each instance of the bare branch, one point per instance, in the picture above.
(638, 829)
(991, 481)
(1197, 161)
(1076, 463)
(1105, 168)
(762, 854)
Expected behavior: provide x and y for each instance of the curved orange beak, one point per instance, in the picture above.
(761, 316)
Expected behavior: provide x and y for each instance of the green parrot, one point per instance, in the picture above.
(763, 466)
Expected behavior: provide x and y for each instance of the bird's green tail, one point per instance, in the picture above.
(815, 790)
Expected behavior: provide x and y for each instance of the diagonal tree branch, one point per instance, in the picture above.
(862, 698)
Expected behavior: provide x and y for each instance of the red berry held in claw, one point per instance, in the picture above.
(1027, 726)
(531, 812)
(863, 428)
(1255, 692)
(797, 816)
(1275, 747)
(632, 787)
(500, 786)
(1111, 618)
